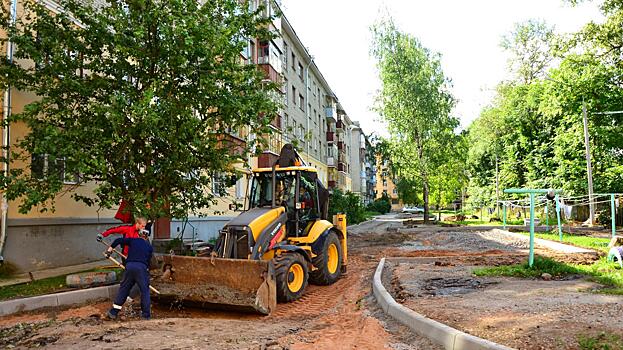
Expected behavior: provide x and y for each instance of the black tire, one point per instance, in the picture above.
(291, 276)
(325, 275)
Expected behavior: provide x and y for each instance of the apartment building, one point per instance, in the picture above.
(312, 118)
(385, 184)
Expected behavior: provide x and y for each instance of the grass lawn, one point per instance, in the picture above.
(607, 273)
(595, 243)
(42, 286)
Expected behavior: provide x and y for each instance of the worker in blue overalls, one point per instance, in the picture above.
(137, 272)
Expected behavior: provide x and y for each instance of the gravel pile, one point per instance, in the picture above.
(468, 241)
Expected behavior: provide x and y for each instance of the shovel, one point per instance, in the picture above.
(121, 265)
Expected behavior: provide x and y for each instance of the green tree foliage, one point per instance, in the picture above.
(530, 48)
(415, 101)
(534, 127)
(381, 205)
(347, 203)
(134, 96)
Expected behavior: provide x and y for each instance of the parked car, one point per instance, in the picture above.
(413, 210)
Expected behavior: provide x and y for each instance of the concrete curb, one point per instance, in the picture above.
(58, 299)
(441, 334)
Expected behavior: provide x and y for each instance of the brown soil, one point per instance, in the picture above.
(431, 274)
(340, 316)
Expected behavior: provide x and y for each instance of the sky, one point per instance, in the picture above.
(467, 34)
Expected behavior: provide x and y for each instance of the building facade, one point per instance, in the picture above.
(311, 118)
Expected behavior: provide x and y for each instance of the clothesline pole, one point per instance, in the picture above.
(504, 215)
(558, 217)
(531, 258)
(532, 193)
(613, 215)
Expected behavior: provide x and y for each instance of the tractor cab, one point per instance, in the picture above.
(294, 188)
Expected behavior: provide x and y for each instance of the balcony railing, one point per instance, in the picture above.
(270, 72)
(331, 161)
(330, 136)
(340, 124)
(341, 166)
(234, 144)
(340, 145)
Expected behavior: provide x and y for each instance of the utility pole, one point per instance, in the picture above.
(589, 168)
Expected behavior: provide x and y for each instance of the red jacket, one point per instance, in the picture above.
(128, 231)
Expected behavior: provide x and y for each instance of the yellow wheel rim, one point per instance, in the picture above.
(332, 258)
(296, 277)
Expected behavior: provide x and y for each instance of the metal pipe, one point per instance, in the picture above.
(613, 215)
(531, 257)
(558, 217)
(6, 112)
(589, 168)
(311, 59)
(504, 215)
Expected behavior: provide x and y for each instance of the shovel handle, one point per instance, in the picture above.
(114, 249)
(123, 267)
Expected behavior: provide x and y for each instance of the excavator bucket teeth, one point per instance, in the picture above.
(229, 284)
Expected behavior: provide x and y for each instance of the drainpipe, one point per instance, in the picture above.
(6, 112)
(311, 59)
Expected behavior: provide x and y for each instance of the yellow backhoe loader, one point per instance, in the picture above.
(269, 252)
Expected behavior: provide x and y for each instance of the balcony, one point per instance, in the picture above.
(340, 124)
(234, 144)
(330, 114)
(276, 122)
(340, 145)
(331, 161)
(269, 71)
(341, 167)
(330, 136)
(267, 159)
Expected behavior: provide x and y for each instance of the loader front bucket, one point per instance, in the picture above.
(230, 284)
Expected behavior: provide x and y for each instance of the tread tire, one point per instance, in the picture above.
(282, 264)
(322, 276)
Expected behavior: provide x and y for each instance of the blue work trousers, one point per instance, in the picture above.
(135, 273)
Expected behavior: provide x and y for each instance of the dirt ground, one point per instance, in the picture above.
(519, 313)
(341, 316)
(430, 272)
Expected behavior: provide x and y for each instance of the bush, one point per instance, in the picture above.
(349, 204)
(381, 205)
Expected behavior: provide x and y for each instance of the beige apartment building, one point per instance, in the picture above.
(385, 184)
(311, 118)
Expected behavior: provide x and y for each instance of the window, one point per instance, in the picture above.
(293, 61)
(301, 102)
(294, 95)
(252, 52)
(285, 56)
(43, 165)
(309, 109)
(301, 71)
(285, 90)
(240, 188)
(263, 52)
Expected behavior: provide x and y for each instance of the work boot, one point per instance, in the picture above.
(112, 314)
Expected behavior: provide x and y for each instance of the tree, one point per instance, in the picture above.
(530, 48)
(415, 101)
(139, 97)
(535, 129)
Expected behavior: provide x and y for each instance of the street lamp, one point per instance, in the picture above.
(589, 168)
